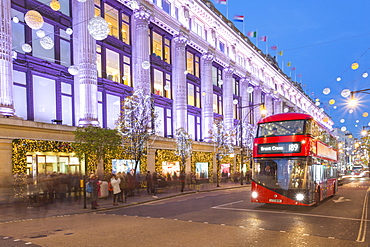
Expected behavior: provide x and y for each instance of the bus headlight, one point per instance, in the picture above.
(254, 194)
(299, 197)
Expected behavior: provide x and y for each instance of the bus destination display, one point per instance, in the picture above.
(279, 148)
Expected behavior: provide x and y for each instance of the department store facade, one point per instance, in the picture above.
(193, 61)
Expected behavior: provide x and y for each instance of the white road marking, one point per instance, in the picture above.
(363, 225)
(277, 212)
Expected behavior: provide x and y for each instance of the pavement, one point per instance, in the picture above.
(23, 210)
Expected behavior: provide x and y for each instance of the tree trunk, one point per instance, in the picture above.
(100, 169)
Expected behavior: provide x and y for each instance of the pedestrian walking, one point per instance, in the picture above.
(116, 189)
(149, 182)
(94, 184)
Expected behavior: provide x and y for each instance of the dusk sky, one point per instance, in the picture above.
(321, 39)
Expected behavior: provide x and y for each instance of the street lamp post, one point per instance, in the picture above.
(251, 107)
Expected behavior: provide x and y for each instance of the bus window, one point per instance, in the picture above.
(281, 128)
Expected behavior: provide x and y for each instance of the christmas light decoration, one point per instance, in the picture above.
(365, 114)
(326, 91)
(355, 66)
(47, 43)
(343, 128)
(365, 75)
(73, 70)
(98, 28)
(34, 19)
(250, 89)
(26, 48)
(339, 78)
(40, 33)
(345, 93)
(69, 31)
(332, 102)
(145, 65)
(342, 120)
(55, 5)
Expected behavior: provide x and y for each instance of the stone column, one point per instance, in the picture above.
(179, 80)
(6, 63)
(228, 97)
(140, 52)
(244, 83)
(207, 95)
(257, 100)
(85, 59)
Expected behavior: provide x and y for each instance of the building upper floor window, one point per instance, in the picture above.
(161, 47)
(222, 47)
(217, 76)
(162, 84)
(113, 65)
(192, 64)
(118, 21)
(166, 5)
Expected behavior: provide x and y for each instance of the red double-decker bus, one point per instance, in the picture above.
(295, 161)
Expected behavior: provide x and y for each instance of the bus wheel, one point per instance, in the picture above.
(317, 196)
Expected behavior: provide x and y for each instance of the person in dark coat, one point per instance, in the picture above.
(149, 183)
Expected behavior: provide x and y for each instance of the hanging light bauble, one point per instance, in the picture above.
(40, 33)
(335, 107)
(69, 31)
(235, 101)
(365, 75)
(73, 70)
(98, 28)
(26, 48)
(145, 65)
(186, 72)
(365, 114)
(332, 102)
(342, 120)
(166, 87)
(355, 66)
(34, 19)
(220, 82)
(345, 93)
(350, 111)
(326, 91)
(357, 121)
(317, 103)
(343, 128)
(55, 5)
(339, 78)
(47, 43)
(15, 19)
(250, 89)
(286, 109)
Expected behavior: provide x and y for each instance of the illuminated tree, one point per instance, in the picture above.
(222, 138)
(96, 143)
(183, 147)
(136, 124)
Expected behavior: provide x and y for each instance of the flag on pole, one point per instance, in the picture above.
(289, 64)
(252, 34)
(293, 68)
(263, 38)
(274, 47)
(281, 53)
(224, 2)
(239, 18)
(300, 75)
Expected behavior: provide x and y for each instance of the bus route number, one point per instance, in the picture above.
(294, 147)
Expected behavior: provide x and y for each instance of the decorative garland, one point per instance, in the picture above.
(162, 155)
(203, 157)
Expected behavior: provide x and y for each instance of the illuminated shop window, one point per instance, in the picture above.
(111, 16)
(157, 45)
(112, 67)
(125, 28)
(158, 83)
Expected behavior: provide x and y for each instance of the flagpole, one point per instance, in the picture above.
(257, 38)
(266, 45)
(227, 9)
(243, 27)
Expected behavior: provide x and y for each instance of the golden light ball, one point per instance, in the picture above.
(365, 114)
(34, 19)
(55, 5)
(332, 102)
(355, 66)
